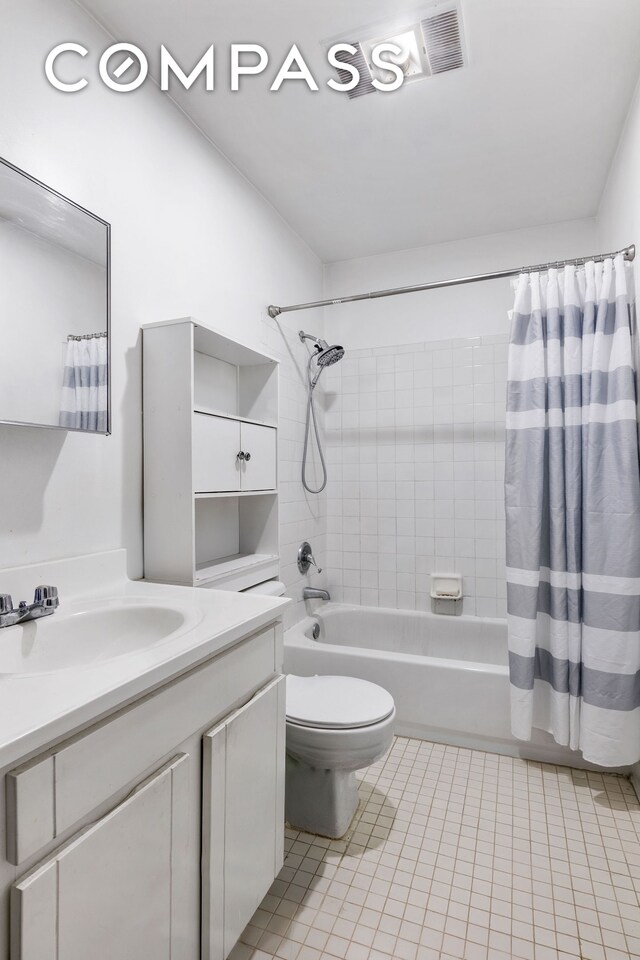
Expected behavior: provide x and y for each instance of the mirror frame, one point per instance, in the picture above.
(105, 223)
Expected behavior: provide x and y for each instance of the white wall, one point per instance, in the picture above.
(479, 309)
(190, 236)
(618, 219)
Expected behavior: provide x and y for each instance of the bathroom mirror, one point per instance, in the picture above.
(54, 308)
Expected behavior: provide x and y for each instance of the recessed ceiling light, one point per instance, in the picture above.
(413, 59)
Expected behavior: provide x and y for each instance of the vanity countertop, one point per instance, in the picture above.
(39, 707)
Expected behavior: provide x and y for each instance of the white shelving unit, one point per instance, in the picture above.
(210, 458)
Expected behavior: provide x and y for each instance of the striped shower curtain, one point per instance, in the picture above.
(573, 511)
(83, 405)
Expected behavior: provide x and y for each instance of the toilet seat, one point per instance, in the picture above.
(336, 703)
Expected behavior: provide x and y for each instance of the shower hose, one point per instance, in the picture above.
(311, 422)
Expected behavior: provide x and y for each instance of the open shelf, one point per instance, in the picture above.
(211, 412)
(235, 493)
(227, 568)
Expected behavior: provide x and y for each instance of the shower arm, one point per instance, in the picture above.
(274, 311)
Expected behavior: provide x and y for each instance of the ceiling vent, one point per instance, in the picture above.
(357, 60)
(443, 41)
(433, 45)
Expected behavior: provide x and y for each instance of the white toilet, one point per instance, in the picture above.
(335, 726)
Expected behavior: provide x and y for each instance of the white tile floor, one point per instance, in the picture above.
(456, 853)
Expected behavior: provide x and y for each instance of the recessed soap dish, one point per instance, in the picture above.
(446, 586)
(446, 593)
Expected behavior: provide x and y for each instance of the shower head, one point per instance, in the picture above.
(324, 356)
(327, 355)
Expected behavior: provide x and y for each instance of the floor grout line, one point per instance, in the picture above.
(456, 854)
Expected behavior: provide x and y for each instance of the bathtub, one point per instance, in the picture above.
(448, 675)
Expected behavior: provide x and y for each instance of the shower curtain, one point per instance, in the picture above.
(573, 511)
(83, 405)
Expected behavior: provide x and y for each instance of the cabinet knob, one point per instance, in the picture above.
(247, 457)
(240, 456)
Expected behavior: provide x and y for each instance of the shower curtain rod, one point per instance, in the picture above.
(275, 311)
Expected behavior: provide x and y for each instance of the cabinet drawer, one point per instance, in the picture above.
(216, 445)
(47, 795)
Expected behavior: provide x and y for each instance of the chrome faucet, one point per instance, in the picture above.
(311, 593)
(306, 558)
(45, 602)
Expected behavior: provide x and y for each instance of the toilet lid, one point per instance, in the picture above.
(336, 702)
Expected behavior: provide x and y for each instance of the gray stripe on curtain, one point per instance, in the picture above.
(85, 376)
(571, 391)
(535, 500)
(95, 420)
(609, 691)
(559, 326)
(606, 611)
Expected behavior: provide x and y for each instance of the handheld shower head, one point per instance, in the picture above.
(328, 355)
(324, 355)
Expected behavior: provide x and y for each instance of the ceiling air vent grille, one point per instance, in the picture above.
(358, 60)
(443, 41)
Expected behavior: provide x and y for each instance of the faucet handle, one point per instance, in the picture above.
(46, 595)
(6, 603)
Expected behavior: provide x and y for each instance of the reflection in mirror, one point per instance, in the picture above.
(54, 308)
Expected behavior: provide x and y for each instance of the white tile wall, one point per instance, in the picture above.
(415, 438)
(302, 515)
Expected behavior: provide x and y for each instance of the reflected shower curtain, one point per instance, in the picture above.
(573, 511)
(83, 404)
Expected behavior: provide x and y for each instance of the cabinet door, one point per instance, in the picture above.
(258, 473)
(243, 816)
(216, 445)
(115, 890)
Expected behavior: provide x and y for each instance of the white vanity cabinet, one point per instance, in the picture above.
(154, 833)
(230, 455)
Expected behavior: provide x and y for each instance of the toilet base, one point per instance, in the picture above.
(320, 801)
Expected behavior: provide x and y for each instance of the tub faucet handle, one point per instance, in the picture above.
(306, 558)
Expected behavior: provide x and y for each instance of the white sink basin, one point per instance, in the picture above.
(88, 633)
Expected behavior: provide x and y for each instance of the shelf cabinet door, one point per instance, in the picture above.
(115, 890)
(259, 473)
(243, 816)
(216, 444)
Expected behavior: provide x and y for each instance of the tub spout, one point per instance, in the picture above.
(310, 593)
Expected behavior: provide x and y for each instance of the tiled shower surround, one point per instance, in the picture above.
(302, 515)
(415, 449)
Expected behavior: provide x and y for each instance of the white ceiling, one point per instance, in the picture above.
(523, 136)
